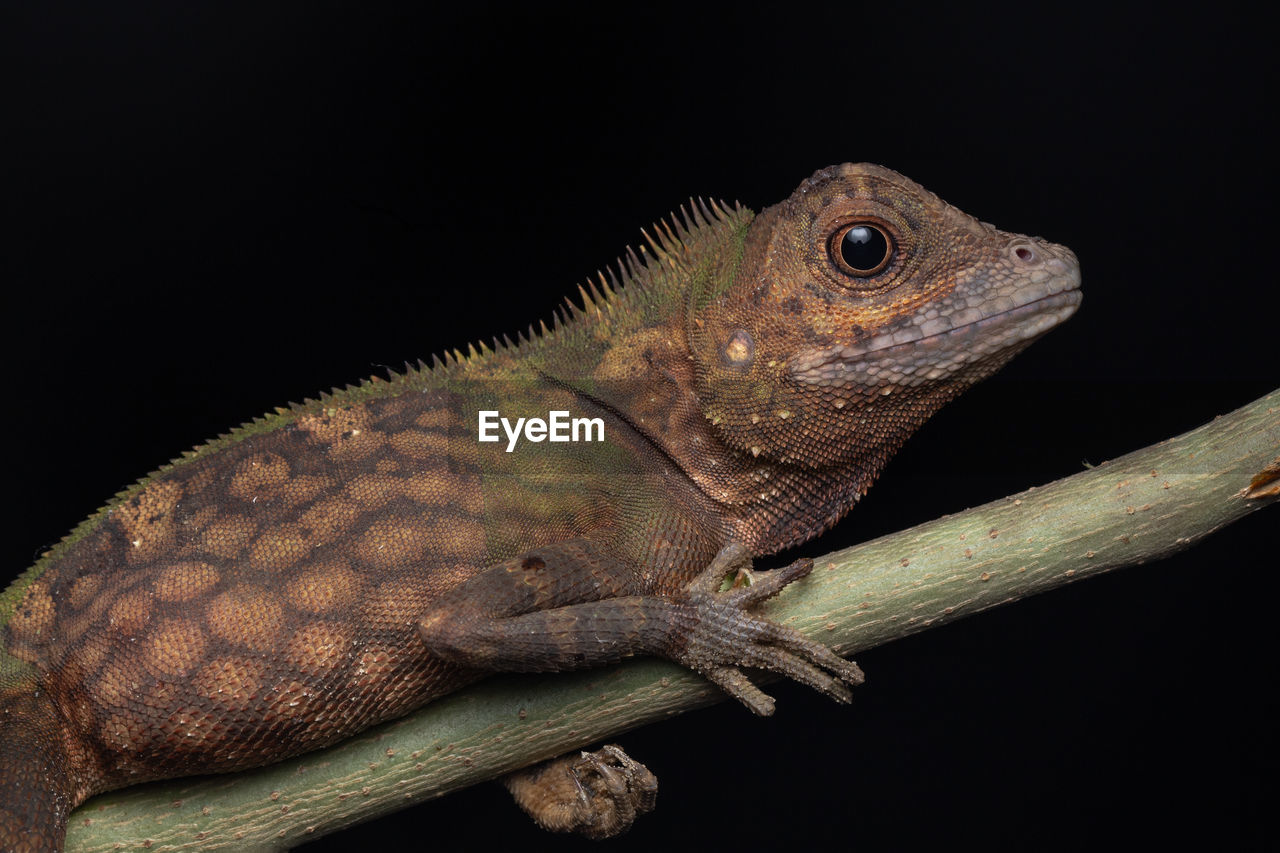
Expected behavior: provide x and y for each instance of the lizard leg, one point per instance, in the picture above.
(37, 785)
(597, 794)
(754, 641)
(573, 605)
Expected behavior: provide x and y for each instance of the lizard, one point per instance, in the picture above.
(740, 382)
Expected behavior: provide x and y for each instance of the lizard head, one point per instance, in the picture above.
(862, 304)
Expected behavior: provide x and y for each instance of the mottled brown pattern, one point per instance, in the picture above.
(349, 559)
(241, 604)
(322, 587)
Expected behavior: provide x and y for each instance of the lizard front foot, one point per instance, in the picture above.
(596, 794)
(724, 635)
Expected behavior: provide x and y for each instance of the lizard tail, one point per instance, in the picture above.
(37, 791)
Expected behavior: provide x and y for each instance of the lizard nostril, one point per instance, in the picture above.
(1025, 254)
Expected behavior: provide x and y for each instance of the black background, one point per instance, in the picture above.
(208, 213)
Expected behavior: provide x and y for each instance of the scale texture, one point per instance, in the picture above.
(345, 560)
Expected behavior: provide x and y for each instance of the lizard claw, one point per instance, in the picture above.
(596, 794)
(726, 636)
(731, 680)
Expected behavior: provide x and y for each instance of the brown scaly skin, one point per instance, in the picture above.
(346, 560)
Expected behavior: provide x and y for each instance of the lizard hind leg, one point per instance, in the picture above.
(596, 794)
(37, 789)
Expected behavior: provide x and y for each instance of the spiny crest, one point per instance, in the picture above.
(663, 254)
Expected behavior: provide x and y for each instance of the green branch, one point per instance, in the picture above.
(1138, 508)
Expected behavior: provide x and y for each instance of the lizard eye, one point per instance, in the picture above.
(861, 249)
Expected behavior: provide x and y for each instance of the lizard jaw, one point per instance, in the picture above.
(941, 346)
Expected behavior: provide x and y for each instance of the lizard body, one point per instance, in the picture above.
(342, 561)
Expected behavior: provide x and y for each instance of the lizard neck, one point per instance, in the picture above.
(647, 378)
(645, 369)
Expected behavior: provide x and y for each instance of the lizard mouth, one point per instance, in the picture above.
(941, 346)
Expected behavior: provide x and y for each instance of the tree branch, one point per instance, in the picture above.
(1138, 508)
